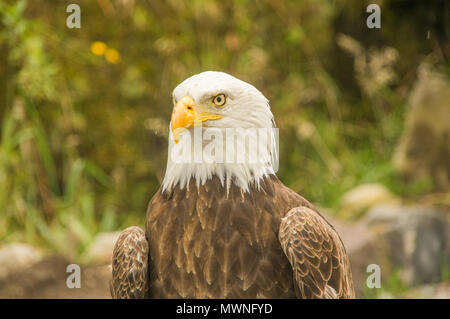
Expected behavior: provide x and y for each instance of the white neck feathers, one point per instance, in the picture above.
(241, 157)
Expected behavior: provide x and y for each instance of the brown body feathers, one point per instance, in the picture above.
(207, 242)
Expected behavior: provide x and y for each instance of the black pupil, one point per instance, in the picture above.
(219, 99)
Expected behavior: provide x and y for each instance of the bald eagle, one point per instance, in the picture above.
(220, 227)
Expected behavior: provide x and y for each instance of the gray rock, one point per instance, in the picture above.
(415, 240)
(424, 147)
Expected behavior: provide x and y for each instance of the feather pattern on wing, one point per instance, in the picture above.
(130, 265)
(320, 264)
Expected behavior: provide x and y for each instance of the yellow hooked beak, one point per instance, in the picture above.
(185, 115)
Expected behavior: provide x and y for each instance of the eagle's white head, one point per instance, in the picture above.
(220, 126)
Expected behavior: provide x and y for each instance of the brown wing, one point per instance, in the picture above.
(130, 265)
(320, 264)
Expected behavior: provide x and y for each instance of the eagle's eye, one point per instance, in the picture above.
(219, 100)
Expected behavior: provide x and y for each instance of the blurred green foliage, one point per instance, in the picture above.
(84, 130)
(393, 287)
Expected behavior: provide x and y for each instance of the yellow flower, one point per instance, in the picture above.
(112, 56)
(98, 48)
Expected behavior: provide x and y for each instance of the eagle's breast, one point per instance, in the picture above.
(205, 242)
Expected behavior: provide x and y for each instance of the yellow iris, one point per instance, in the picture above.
(220, 99)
